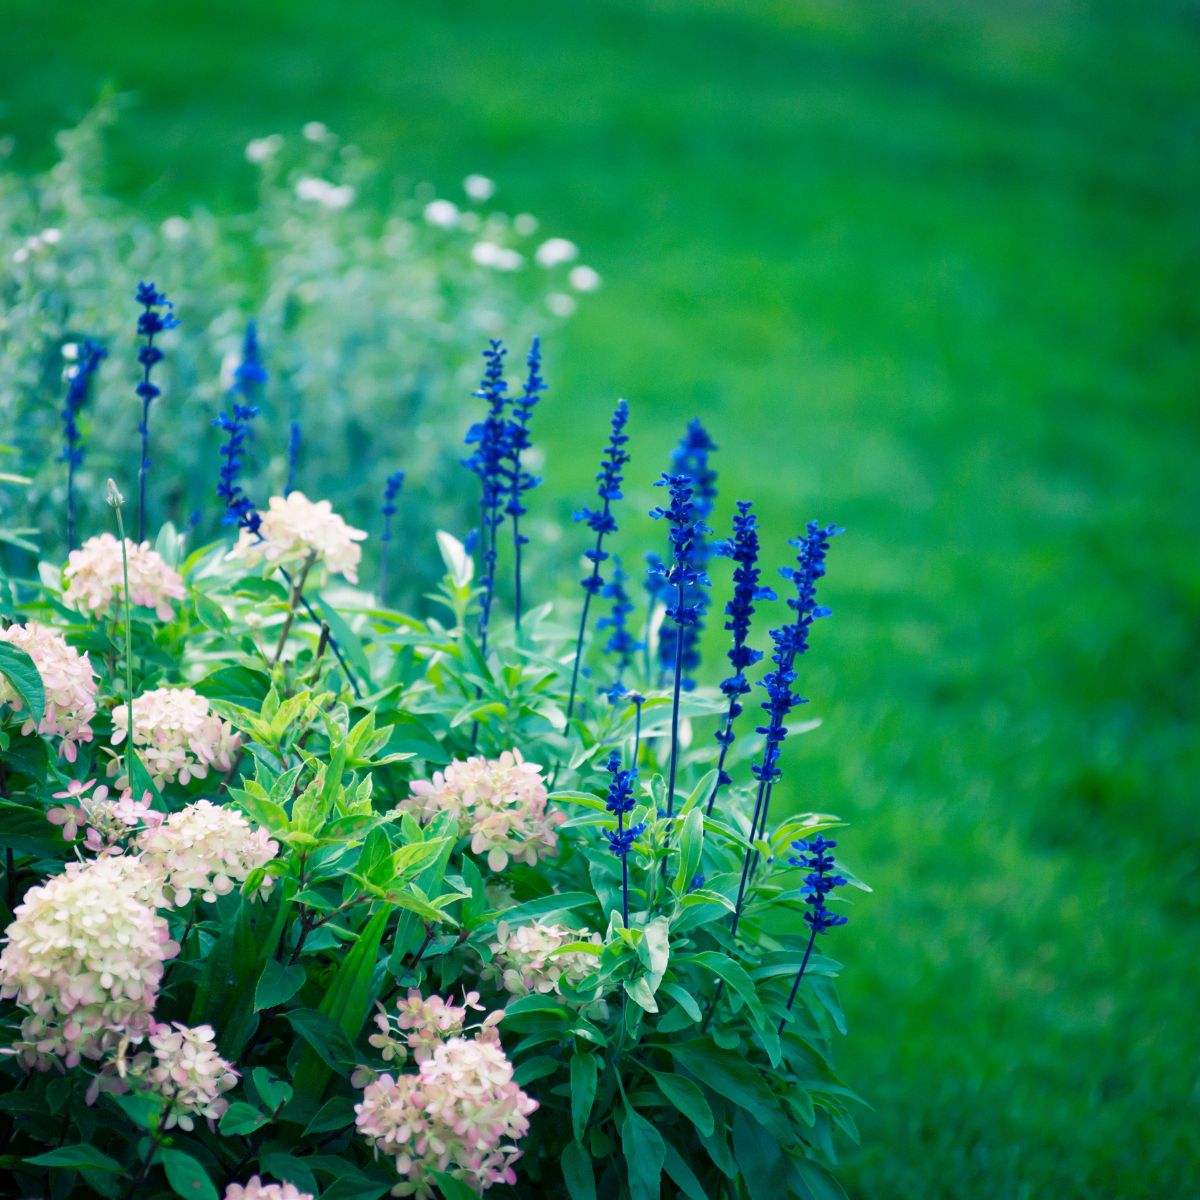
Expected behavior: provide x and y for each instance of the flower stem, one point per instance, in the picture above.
(297, 595)
(812, 937)
(116, 500)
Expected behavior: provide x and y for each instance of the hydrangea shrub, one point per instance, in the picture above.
(368, 906)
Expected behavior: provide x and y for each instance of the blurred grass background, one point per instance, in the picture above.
(927, 270)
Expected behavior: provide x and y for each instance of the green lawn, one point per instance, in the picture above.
(927, 270)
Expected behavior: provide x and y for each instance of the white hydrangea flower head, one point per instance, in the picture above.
(326, 194)
(84, 957)
(527, 959)
(177, 735)
(462, 1114)
(584, 279)
(421, 1024)
(68, 680)
(184, 1068)
(204, 848)
(293, 527)
(500, 803)
(96, 582)
(109, 822)
(257, 1190)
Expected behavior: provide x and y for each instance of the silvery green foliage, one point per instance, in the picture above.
(370, 308)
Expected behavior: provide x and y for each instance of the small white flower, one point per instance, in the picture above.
(315, 131)
(442, 213)
(20, 254)
(258, 150)
(555, 251)
(175, 228)
(479, 187)
(321, 191)
(499, 258)
(560, 304)
(70, 351)
(525, 224)
(51, 236)
(584, 279)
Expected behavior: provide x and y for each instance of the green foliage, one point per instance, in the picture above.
(667, 1064)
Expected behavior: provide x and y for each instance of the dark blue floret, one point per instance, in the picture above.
(391, 490)
(814, 857)
(150, 324)
(489, 463)
(248, 378)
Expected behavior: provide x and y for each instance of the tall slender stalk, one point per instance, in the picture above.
(117, 500)
(150, 324)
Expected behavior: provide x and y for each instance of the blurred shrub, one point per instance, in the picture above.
(371, 310)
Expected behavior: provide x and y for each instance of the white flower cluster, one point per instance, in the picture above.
(95, 577)
(176, 734)
(293, 528)
(204, 848)
(184, 1068)
(529, 958)
(68, 680)
(84, 956)
(257, 1190)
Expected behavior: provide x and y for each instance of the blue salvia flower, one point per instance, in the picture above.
(150, 324)
(520, 480)
(239, 509)
(601, 521)
(391, 489)
(691, 458)
(295, 437)
(789, 641)
(79, 385)
(739, 609)
(621, 643)
(490, 437)
(686, 581)
(620, 802)
(249, 377)
(815, 858)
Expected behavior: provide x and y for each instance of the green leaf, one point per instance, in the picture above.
(691, 849)
(763, 1167)
(638, 990)
(78, 1158)
(577, 1172)
(278, 984)
(347, 640)
(655, 950)
(18, 668)
(687, 1098)
(682, 1174)
(273, 1092)
(812, 1182)
(453, 1189)
(241, 1118)
(644, 1155)
(684, 999)
(326, 1038)
(289, 1168)
(585, 1071)
(734, 975)
(186, 1176)
(335, 1113)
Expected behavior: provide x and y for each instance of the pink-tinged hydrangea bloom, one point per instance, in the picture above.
(84, 957)
(421, 1024)
(526, 959)
(184, 1068)
(294, 527)
(461, 1114)
(108, 823)
(96, 580)
(204, 848)
(257, 1190)
(68, 680)
(176, 734)
(500, 804)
